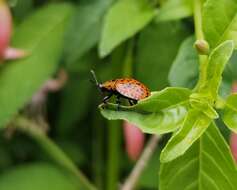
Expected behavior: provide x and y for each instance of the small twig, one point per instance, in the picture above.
(51, 85)
(197, 9)
(132, 179)
(36, 108)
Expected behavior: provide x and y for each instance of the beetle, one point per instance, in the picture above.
(127, 88)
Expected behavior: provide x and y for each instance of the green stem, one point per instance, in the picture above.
(198, 19)
(33, 130)
(199, 36)
(114, 131)
(115, 128)
(98, 149)
(113, 154)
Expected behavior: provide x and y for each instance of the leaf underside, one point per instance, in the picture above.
(162, 112)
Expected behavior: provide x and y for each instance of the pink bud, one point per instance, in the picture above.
(233, 145)
(234, 87)
(134, 140)
(13, 53)
(233, 136)
(5, 27)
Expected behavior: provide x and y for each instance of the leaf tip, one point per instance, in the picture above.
(103, 50)
(102, 53)
(230, 43)
(164, 158)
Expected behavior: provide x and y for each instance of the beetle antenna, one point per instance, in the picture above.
(95, 78)
(95, 81)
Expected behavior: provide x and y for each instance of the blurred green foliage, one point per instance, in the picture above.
(44, 47)
(34, 176)
(156, 49)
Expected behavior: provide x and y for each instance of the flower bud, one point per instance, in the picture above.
(234, 87)
(134, 140)
(202, 47)
(5, 27)
(233, 145)
(13, 53)
(6, 52)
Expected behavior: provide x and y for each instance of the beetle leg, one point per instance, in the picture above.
(106, 98)
(130, 102)
(134, 102)
(118, 102)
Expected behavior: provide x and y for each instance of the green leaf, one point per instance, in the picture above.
(156, 49)
(21, 9)
(231, 68)
(184, 70)
(174, 10)
(36, 176)
(207, 165)
(229, 76)
(84, 30)
(230, 113)
(216, 64)
(162, 112)
(42, 36)
(201, 103)
(12, 3)
(84, 64)
(220, 21)
(124, 19)
(225, 88)
(192, 128)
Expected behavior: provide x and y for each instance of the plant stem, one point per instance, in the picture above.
(33, 130)
(115, 127)
(198, 19)
(98, 149)
(113, 154)
(141, 164)
(114, 130)
(199, 36)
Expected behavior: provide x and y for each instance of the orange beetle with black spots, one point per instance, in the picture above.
(127, 88)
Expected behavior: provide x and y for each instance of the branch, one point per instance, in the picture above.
(141, 163)
(33, 129)
(199, 36)
(198, 19)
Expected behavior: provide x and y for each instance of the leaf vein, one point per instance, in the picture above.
(217, 147)
(190, 163)
(210, 179)
(191, 185)
(218, 168)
